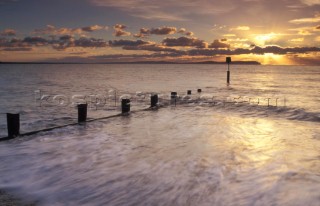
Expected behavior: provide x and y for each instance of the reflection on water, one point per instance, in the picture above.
(194, 154)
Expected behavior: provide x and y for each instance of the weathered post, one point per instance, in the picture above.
(125, 106)
(228, 60)
(174, 98)
(154, 100)
(173, 95)
(82, 112)
(13, 125)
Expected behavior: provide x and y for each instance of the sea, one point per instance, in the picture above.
(255, 141)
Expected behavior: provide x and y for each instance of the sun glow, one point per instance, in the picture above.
(272, 59)
(261, 39)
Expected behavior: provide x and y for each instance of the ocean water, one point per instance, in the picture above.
(253, 142)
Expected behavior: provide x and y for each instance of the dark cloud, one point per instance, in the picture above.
(254, 50)
(66, 38)
(304, 60)
(152, 47)
(208, 52)
(122, 42)
(133, 57)
(8, 32)
(64, 42)
(318, 27)
(68, 41)
(14, 49)
(163, 30)
(157, 31)
(216, 44)
(13, 43)
(184, 41)
(35, 40)
(90, 42)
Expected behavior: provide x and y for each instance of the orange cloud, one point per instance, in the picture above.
(8, 32)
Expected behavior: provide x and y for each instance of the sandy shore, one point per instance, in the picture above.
(9, 200)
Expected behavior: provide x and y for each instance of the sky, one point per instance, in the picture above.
(272, 32)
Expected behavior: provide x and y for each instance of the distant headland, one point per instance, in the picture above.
(140, 62)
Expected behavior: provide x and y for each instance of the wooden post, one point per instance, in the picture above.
(13, 125)
(228, 60)
(125, 106)
(82, 112)
(173, 97)
(154, 100)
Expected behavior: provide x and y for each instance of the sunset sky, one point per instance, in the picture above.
(280, 32)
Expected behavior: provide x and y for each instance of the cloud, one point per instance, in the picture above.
(185, 32)
(163, 30)
(17, 49)
(311, 2)
(216, 44)
(254, 50)
(229, 35)
(8, 32)
(90, 42)
(152, 47)
(318, 27)
(315, 19)
(184, 41)
(304, 33)
(297, 40)
(64, 42)
(92, 28)
(66, 38)
(122, 42)
(168, 10)
(119, 30)
(120, 26)
(68, 41)
(189, 33)
(50, 29)
(240, 28)
(182, 31)
(37, 41)
(121, 33)
(139, 35)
